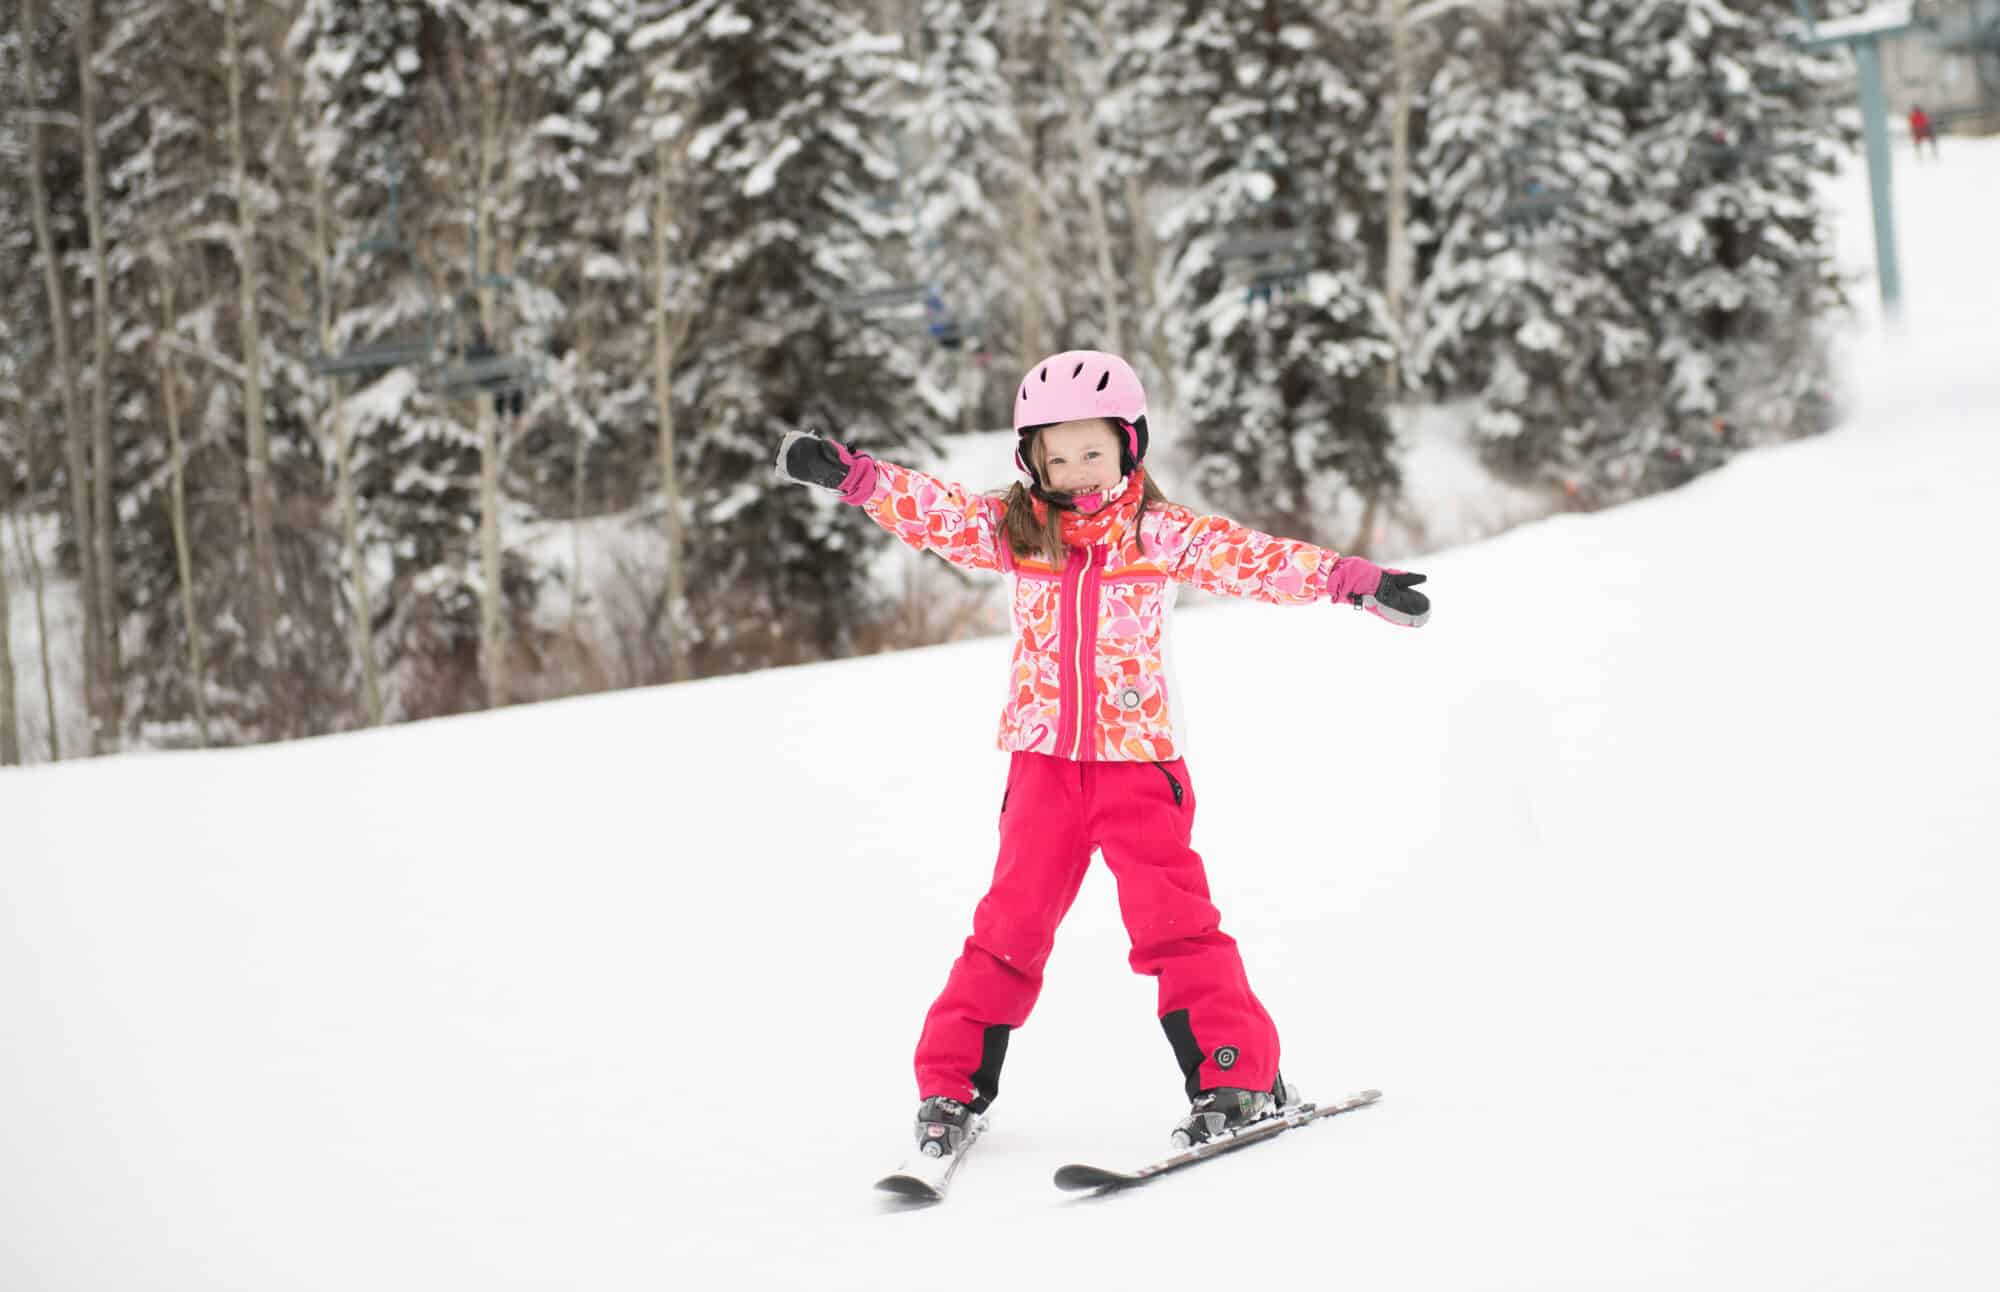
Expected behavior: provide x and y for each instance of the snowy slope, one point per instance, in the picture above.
(1653, 882)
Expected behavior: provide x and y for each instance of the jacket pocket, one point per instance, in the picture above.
(1171, 782)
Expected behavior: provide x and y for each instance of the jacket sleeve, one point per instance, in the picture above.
(1218, 555)
(961, 526)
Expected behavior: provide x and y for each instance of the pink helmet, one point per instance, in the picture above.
(1079, 384)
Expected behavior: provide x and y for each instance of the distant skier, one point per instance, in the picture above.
(1094, 549)
(1922, 131)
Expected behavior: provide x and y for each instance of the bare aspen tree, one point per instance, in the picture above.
(1146, 267)
(670, 330)
(263, 538)
(76, 441)
(33, 564)
(1084, 136)
(492, 648)
(472, 108)
(362, 635)
(578, 464)
(177, 513)
(1396, 285)
(106, 719)
(183, 557)
(1033, 323)
(494, 110)
(10, 727)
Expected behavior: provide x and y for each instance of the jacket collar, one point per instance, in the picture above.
(1085, 529)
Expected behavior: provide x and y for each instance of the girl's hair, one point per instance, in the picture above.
(1030, 538)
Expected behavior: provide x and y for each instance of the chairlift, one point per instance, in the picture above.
(480, 369)
(1719, 149)
(1271, 251)
(393, 352)
(1975, 33)
(1534, 204)
(913, 309)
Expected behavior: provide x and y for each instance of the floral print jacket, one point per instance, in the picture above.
(1090, 677)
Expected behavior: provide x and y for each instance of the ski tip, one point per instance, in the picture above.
(909, 1187)
(1076, 1177)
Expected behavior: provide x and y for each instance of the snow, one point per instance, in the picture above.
(1653, 882)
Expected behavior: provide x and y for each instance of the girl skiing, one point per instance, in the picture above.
(1095, 549)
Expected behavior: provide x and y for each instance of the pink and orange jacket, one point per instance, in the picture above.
(1090, 677)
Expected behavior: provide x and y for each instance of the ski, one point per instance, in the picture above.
(1077, 1177)
(926, 1179)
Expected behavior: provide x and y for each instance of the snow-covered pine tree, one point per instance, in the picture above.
(1116, 290)
(39, 78)
(183, 207)
(779, 116)
(588, 450)
(963, 158)
(1528, 176)
(1284, 386)
(414, 162)
(1730, 126)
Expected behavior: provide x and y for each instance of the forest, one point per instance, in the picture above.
(339, 337)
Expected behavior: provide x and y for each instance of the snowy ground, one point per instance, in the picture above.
(1654, 882)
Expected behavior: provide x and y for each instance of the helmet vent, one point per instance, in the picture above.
(1105, 380)
(1045, 374)
(1079, 368)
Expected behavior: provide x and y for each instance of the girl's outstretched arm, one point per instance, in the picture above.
(1218, 555)
(927, 513)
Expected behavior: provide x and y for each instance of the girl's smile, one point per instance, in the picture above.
(1081, 456)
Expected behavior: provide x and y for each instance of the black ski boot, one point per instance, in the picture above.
(942, 1125)
(1226, 1109)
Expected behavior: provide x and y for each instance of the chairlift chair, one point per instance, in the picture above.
(482, 370)
(911, 309)
(1533, 205)
(1268, 258)
(393, 352)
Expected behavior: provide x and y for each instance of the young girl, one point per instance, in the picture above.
(1094, 549)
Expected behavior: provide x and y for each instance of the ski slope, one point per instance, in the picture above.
(1654, 882)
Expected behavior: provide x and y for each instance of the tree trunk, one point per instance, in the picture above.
(76, 442)
(10, 727)
(33, 564)
(106, 735)
(492, 643)
(1084, 136)
(492, 649)
(1396, 287)
(177, 513)
(363, 633)
(1146, 259)
(669, 331)
(1032, 324)
(578, 464)
(263, 539)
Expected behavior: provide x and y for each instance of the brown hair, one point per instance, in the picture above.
(1030, 538)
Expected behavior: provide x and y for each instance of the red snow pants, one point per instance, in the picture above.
(1055, 813)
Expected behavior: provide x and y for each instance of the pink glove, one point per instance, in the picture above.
(808, 459)
(1386, 594)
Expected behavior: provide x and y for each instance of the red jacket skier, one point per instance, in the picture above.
(1922, 131)
(1095, 551)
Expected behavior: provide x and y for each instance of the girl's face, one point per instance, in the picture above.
(1078, 457)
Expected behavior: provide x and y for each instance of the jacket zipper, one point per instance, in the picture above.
(1086, 643)
(1171, 781)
